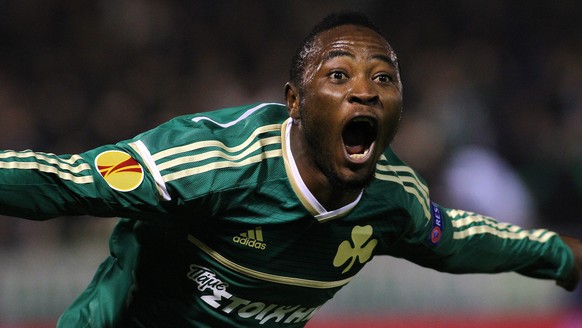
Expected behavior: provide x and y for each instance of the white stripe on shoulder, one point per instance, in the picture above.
(242, 117)
(222, 164)
(407, 178)
(215, 143)
(145, 154)
(220, 154)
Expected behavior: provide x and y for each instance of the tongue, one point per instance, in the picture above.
(354, 149)
(355, 138)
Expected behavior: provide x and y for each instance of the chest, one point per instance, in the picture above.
(293, 249)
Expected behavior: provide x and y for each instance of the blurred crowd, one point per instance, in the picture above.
(492, 89)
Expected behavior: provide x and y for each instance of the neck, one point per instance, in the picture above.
(329, 196)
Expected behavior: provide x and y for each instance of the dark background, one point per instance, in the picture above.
(502, 76)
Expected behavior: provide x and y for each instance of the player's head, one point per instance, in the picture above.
(305, 50)
(345, 98)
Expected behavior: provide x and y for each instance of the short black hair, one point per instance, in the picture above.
(299, 59)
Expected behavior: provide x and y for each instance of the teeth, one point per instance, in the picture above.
(362, 119)
(360, 156)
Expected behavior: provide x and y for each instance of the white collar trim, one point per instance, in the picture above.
(322, 213)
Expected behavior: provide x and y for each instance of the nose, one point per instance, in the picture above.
(364, 92)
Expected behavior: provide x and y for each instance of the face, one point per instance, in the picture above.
(349, 105)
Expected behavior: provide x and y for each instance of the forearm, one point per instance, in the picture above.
(471, 243)
(39, 186)
(534, 253)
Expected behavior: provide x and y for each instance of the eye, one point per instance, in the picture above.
(337, 75)
(383, 78)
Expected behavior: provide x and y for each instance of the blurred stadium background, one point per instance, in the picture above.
(493, 121)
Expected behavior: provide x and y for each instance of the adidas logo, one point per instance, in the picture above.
(252, 238)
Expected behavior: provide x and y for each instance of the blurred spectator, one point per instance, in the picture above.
(479, 180)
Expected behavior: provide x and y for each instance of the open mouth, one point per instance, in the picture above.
(359, 136)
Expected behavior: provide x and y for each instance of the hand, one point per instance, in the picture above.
(573, 278)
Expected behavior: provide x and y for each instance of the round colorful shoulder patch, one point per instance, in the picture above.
(120, 170)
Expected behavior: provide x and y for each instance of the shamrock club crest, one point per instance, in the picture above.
(359, 248)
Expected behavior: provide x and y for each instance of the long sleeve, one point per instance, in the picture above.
(166, 172)
(464, 242)
(110, 180)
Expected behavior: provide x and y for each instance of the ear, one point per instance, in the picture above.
(292, 100)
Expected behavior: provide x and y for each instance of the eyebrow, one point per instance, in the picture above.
(385, 58)
(337, 53)
(340, 53)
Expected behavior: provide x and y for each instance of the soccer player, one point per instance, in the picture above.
(257, 215)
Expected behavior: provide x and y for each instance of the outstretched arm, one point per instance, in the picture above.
(472, 243)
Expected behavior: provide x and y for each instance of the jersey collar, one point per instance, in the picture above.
(309, 201)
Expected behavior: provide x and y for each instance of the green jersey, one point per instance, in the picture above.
(220, 230)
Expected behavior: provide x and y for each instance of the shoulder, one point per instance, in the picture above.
(227, 125)
(399, 183)
(218, 150)
(254, 114)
